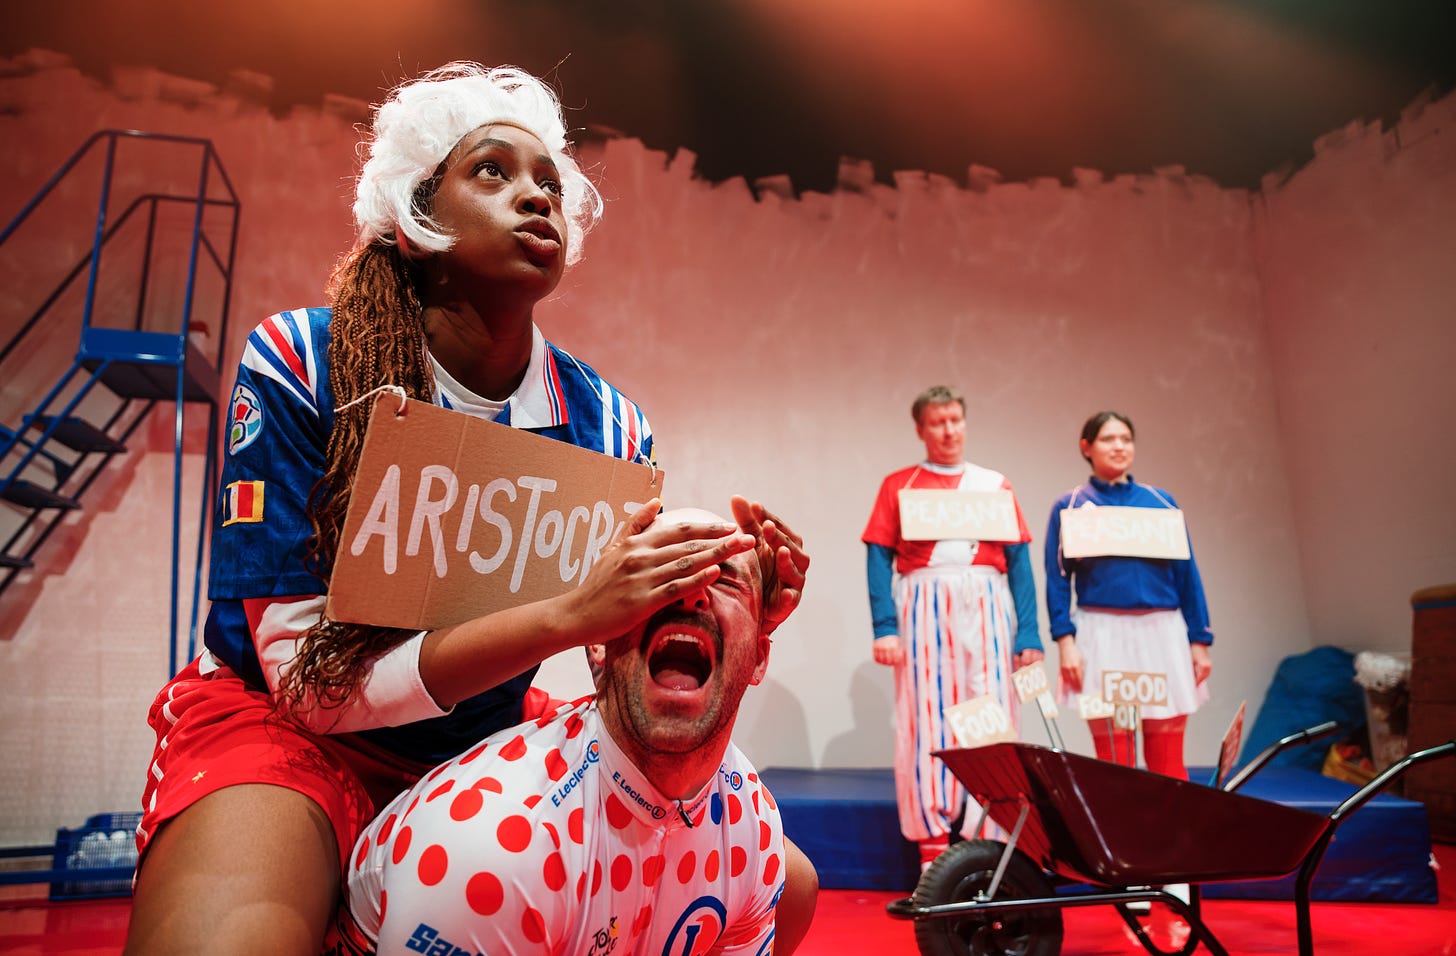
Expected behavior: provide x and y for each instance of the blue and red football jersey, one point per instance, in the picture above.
(279, 419)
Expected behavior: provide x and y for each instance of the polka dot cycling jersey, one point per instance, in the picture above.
(546, 839)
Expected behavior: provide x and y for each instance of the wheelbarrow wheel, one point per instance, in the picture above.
(963, 872)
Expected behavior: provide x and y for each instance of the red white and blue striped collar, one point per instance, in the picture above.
(538, 402)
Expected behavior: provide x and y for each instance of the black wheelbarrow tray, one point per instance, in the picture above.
(1125, 832)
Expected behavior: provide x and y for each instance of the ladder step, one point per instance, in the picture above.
(77, 434)
(28, 494)
(11, 561)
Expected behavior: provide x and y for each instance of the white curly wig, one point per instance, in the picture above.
(420, 123)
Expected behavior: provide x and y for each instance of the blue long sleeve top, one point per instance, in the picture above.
(1122, 583)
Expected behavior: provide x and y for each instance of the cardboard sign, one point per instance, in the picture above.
(949, 514)
(1123, 716)
(1091, 707)
(453, 517)
(1228, 751)
(1135, 687)
(1030, 682)
(1130, 532)
(979, 721)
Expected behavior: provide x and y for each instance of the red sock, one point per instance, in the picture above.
(1113, 745)
(932, 848)
(1163, 750)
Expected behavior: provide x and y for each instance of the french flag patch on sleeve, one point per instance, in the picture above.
(242, 502)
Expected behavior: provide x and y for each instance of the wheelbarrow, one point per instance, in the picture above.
(1122, 831)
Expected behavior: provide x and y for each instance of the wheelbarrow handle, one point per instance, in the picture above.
(1283, 743)
(1359, 798)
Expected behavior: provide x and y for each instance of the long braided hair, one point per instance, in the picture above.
(377, 331)
(377, 338)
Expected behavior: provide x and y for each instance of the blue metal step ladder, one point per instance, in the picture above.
(135, 341)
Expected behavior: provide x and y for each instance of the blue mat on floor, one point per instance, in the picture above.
(845, 821)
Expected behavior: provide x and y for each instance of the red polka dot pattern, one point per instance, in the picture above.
(433, 864)
(617, 814)
(533, 926)
(401, 845)
(651, 869)
(737, 860)
(466, 805)
(686, 866)
(606, 853)
(383, 905)
(554, 873)
(574, 825)
(621, 872)
(485, 894)
(514, 833)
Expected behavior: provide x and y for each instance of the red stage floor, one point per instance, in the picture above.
(850, 923)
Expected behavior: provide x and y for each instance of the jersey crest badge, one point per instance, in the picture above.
(245, 419)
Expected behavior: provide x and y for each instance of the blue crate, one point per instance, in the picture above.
(103, 851)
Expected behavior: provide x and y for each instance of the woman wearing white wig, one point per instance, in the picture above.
(276, 746)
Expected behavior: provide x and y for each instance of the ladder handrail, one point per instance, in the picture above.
(214, 189)
(209, 151)
(224, 269)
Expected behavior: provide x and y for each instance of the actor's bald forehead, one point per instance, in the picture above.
(687, 514)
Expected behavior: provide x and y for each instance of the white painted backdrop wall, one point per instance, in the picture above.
(776, 344)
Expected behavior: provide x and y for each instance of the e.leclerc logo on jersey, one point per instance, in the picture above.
(593, 754)
(698, 928)
(657, 812)
(733, 778)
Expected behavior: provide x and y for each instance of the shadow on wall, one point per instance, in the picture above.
(870, 741)
(775, 719)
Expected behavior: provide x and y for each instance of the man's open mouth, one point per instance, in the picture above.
(680, 661)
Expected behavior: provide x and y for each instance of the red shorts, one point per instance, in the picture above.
(214, 731)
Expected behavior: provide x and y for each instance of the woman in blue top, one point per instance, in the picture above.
(1132, 613)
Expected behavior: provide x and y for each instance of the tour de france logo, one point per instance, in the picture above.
(245, 419)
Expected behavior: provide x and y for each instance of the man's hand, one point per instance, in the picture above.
(779, 550)
(1029, 656)
(889, 651)
(648, 565)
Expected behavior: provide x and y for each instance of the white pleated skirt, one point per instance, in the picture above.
(1153, 642)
